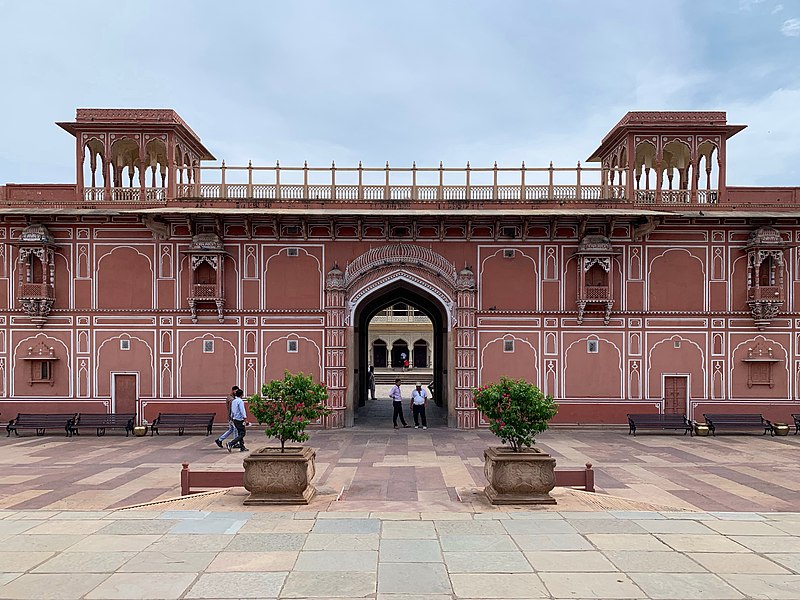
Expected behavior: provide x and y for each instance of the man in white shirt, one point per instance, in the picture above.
(397, 403)
(419, 398)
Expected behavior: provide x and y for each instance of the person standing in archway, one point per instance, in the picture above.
(397, 404)
(371, 382)
(419, 398)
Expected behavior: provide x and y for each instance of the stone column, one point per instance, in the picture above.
(466, 351)
(335, 365)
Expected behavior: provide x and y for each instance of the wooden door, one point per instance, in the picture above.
(420, 355)
(379, 355)
(675, 394)
(124, 393)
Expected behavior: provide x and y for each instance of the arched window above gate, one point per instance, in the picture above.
(36, 272)
(595, 284)
(765, 269)
(207, 260)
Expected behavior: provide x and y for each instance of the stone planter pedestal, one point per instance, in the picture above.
(275, 477)
(519, 477)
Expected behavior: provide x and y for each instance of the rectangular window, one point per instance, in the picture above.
(292, 252)
(124, 344)
(676, 344)
(508, 253)
(291, 345)
(592, 346)
(41, 371)
(508, 345)
(208, 346)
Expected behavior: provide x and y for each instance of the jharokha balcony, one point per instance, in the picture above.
(35, 291)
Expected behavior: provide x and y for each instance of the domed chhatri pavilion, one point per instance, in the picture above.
(639, 282)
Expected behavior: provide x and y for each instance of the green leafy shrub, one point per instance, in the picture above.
(516, 410)
(287, 406)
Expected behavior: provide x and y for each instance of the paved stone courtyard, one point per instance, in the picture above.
(371, 467)
(399, 556)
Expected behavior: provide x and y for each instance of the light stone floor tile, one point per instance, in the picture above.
(498, 585)
(486, 562)
(397, 530)
(395, 516)
(344, 514)
(208, 526)
(168, 562)
(766, 586)
(675, 526)
(233, 515)
(191, 543)
(608, 586)
(305, 514)
(738, 516)
(700, 543)
(540, 515)
(142, 586)
(80, 526)
(790, 561)
(17, 562)
(445, 516)
(337, 560)
(47, 586)
(684, 586)
(497, 516)
(112, 543)
(744, 528)
(615, 526)
(237, 585)
(85, 562)
(636, 515)
(791, 527)
(536, 526)
(74, 515)
(410, 551)
(184, 514)
(414, 597)
(575, 561)
(626, 541)
(689, 515)
(276, 526)
(329, 585)
(341, 541)
(573, 515)
(8, 527)
(134, 515)
(36, 515)
(477, 543)
(8, 578)
(226, 562)
(273, 516)
(140, 527)
(469, 527)
(565, 541)
(258, 542)
(768, 543)
(736, 562)
(347, 526)
(40, 543)
(653, 562)
(416, 578)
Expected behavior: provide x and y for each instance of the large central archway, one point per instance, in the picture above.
(401, 291)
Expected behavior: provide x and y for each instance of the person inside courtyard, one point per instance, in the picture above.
(397, 403)
(231, 427)
(419, 398)
(371, 382)
(238, 416)
(403, 360)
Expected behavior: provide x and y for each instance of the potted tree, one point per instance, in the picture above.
(518, 473)
(285, 407)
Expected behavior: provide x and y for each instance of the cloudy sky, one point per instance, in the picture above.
(422, 80)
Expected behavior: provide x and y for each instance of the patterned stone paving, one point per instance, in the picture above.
(420, 470)
(128, 554)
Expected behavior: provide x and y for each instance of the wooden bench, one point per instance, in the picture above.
(796, 423)
(103, 421)
(659, 421)
(182, 421)
(42, 422)
(737, 421)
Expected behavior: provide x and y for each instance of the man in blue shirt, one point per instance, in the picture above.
(238, 415)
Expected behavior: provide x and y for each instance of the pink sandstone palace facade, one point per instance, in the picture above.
(640, 282)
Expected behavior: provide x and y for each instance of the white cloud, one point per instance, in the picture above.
(778, 8)
(749, 4)
(791, 28)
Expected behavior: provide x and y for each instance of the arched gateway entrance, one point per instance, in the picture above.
(377, 279)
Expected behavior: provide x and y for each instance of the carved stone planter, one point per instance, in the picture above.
(273, 477)
(519, 477)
